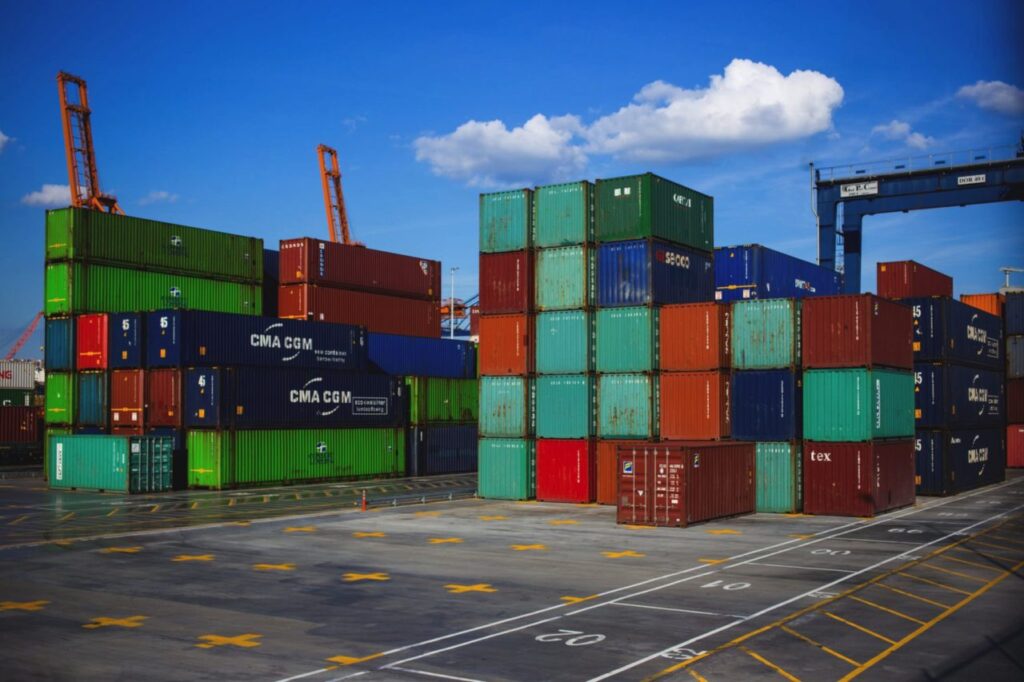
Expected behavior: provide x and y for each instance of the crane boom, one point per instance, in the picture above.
(83, 176)
(334, 200)
(24, 336)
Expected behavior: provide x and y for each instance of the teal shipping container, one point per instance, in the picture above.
(842, 405)
(127, 464)
(566, 405)
(563, 214)
(565, 278)
(93, 395)
(506, 407)
(506, 221)
(565, 342)
(627, 339)
(627, 406)
(507, 469)
(766, 334)
(779, 482)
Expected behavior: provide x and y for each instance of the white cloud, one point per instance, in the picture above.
(158, 196)
(995, 95)
(900, 131)
(50, 196)
(4, 139)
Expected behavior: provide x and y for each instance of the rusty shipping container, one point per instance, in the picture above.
(861, 330)
(607, 465)
(907, 279)
(127, 398)
(376, 312)
(695, 336)
(858, 479)
(679, 483)
(990, 303)
(20, 424)
(506, 282)
(91, 341)
(566, 471)
(506, 344)
(163, 398)
(1015, 446)
(695, 405)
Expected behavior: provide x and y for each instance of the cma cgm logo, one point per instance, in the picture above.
(312, 394)
(976, 334)
(977, 394)
(677, 260)
(821, 456)
(271, 339)
(684, 201)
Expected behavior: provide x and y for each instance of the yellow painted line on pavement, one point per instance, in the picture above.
(495, 517)
(712, 562)
(156, 507)
(855, 626)
(723, 531)
(444, 541)
(563, 522)
(528, 548)
(827, 650)
(121, 550)
(37, 605)
(68, 516)
(970, 563)
(358, 577)
(894, 612)
(351, 660)
(363, 534)
(113, 511)
(426, 513)
(1012, 541)
(956, 573)
(696, 675)
(764, 661)
(932, 582)
(989, 544)
(576, 600)
(195, 505)
(621, 555)
(18, 520)
(273, 567)
(193, 557)
(300, 529)
(918, 597)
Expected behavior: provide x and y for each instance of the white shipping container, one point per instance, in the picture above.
(17, 374)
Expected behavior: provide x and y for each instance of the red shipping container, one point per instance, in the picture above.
(19, 424)
(858, 479)
(163, 397)
(679, 483)
(907, 279)
(608, 468)
(506, 282)
(127, 398)
(990, 303)
(506, 345)
(694, 405)
(695, 336)
(128, 431)
(376, 312)
(314, 261)
(1015, 401)
(861, 330)
(1015, 446)
(566, 471)
(91, 341)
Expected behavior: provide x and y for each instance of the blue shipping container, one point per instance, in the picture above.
(416, 356)
(948, 396)
(651, 271)
(266, 398)
(124, 334)
(755, 271)
(766, 405)
(179, 458)
(93, 396)
(950, 462)
(59, 344)
(1014, 314)
(195, 338)
(948, 330)
(441, 449)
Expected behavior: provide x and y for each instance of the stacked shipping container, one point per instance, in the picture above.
(20, 419)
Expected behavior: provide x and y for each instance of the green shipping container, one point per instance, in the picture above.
(48, 434)
(566, 406)
(627, 339)
(127, 464)
(641, 206)
(507, 469)
(21, 397)
(627, 406)
(563, 214)
(434, 399)
(779, 478)
(858, 404)
(565, 278)
(230, 459)
(74, 288)
(565, 342)
(80, 234)
(60, 398)
(506, 407)
(506, 221)
(766, 334)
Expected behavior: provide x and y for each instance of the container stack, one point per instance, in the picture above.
(1014, 322)
(20, 419)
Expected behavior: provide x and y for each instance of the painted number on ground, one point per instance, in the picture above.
(682, 654)
(571, 638)
(908, 531)
(822, 551)
(955, 515)
(731, 587)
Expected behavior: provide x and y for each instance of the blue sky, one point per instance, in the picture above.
(208, 114)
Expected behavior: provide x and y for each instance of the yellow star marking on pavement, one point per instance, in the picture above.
(121, 550)
(497, 517)
(632, 527)
(362, 534)
(802, 536)
(23, 605)
(723, 531)
(246, 641)
(563, 522)
(427, 513)
(193, 557)
(576, 600)
(712, 561)
(300, 529)
(620, 555)
(444, 541)
(103, 621)
(462, 589)
(528, 548)
(274, 567)
(351, 660)
(357, 577)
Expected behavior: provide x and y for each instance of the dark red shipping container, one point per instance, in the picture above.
(1015, 401)
(566, 470)
(858, 479)
(91, 341)
(694, 405)
(19, 424)
(1015, 446)
(679, 483)
(314, 261)
(860, 330)
(163, 397)
(376, 312)
(506, 345)
(907, 279)
(128, 431)
(608, 468)
(506, 282)
(695, 336)
(127, 398)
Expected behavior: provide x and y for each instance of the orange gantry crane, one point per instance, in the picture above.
(334, 199)
(82, 173)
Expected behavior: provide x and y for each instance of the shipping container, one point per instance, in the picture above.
(563, 214)
(1015, 357)
(948, 330)
(566, 406)
(640, 206)
(858, 479)
(127, 398)
(566, 278)
(1014, 313)
(753, 271)
(231, 459)
(627, 406)
(858, 404)
(19, 424)
(434, 449)
(607, 465)
(507, 282)
(1015, 401)
(506, 344)
(779, 477)
(59, 344)
(1015, 446)
(955, 396)
(566, 471)
(679, 483)
(766, 405)
(125, 333)
(49, 432)
(506, 221)
(695, 405)
(418, 356)
(127, 464)
(951, 462)
(652, 272)
(376, 312)
(179, 458)
(271, 281)
(17, 397)
(60, 398)
(506, 407)
(766, 334)
(434, 399)
(627, 339)
(91, 341)
(74, 288)
(990, 303)
(163, 398)
(81, 234)
(344, 266)
(860, 330)
(93, 395)
(694, 336)
(507, 469)
(18, 374)
(565, 342)
(907, 279)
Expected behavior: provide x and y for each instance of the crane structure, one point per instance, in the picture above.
(334, 199)
(24, 337)
(83, 176)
